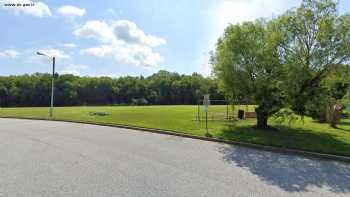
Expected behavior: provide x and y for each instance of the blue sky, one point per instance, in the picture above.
(118, 37)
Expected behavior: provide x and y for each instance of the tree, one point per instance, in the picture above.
(316, 39)
(326, 105)
(3, 95)
(246, 63)
(66, 90)
(283, 62)
(160, 88)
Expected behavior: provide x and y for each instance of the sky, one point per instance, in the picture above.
(118, 38)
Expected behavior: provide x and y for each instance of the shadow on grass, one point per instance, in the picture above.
(344, 123)
(286, 137)
(342, 129)
(290, 172)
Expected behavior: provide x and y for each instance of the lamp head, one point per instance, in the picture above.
(39, 53)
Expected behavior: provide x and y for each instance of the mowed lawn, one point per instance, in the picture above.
(307, 135)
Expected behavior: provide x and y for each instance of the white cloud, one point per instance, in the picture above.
(100, 51)
(118, 31)
(99, 30)
(129, 32)
(123, 41)
(69, 45)
(130, 54)
(74, 69)
(55, 53)
(38, 8)
(9, 53)
(71, 11)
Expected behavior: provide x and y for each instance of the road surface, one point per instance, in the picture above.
(43, 158)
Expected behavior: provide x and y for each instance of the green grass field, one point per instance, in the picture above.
(307, 135)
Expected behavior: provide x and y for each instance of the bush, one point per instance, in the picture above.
(286, 116)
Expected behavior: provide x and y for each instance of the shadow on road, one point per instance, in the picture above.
(290, 173)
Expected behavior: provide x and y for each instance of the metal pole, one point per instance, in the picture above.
(206, 120)
(246, 110)
(198, 115)
(226, 110)
(52, 86)
(233, 110)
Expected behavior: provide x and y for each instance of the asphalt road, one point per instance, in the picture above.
(41, 158)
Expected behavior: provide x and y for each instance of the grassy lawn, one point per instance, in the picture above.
(307, 135)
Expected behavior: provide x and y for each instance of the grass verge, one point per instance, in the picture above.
(307, 135)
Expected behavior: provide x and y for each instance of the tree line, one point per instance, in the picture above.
(160, 88)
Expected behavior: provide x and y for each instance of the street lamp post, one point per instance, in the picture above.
(52, 81)
(52, 86)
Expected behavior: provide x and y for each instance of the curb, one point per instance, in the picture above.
(231, 142)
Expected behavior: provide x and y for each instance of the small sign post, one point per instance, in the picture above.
(206, 103)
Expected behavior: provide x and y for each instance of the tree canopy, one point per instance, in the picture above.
(281, 62)
(160, 88)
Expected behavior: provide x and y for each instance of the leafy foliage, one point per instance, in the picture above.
(332, 91)
(286, 116)
(284, 62)
(316, 40)
(247, 64)
(160, 88)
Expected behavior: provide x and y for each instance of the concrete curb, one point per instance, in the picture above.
(231, 142)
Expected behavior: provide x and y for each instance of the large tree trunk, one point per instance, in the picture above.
(262, 118)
